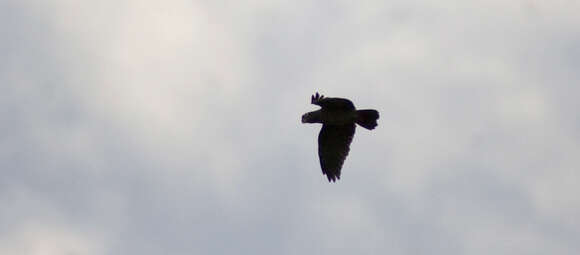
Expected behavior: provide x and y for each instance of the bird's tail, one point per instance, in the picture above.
(367, 118)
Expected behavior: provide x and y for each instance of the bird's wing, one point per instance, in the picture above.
(333, 147)
(332, 103)
(336, 104)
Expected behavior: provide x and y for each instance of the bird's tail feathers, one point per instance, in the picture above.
(367, 118)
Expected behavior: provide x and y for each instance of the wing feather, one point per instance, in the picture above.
(333, 147)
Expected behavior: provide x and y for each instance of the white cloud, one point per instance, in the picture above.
(176, 125)
(49, 240)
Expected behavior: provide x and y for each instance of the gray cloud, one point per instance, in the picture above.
(140, 127)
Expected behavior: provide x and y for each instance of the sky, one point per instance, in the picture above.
(173, 127)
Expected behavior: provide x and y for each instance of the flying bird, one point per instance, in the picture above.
(339, 118)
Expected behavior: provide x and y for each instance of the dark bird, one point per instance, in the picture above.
(338, 117)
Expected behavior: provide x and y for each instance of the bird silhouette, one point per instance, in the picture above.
(339, 118)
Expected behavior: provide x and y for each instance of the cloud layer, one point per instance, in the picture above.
(140, 127)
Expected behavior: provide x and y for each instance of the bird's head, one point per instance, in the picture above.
(311, 117)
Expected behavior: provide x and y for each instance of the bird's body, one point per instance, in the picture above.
(338, 117)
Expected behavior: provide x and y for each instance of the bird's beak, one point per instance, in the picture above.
(304, 118)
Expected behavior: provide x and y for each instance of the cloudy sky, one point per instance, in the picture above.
(173, 127)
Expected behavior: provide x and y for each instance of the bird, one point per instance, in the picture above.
(338, 117)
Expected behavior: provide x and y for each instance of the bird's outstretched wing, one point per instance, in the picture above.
(332, 103)
(333, 147)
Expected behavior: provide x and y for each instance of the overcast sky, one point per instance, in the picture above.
(173, 127)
